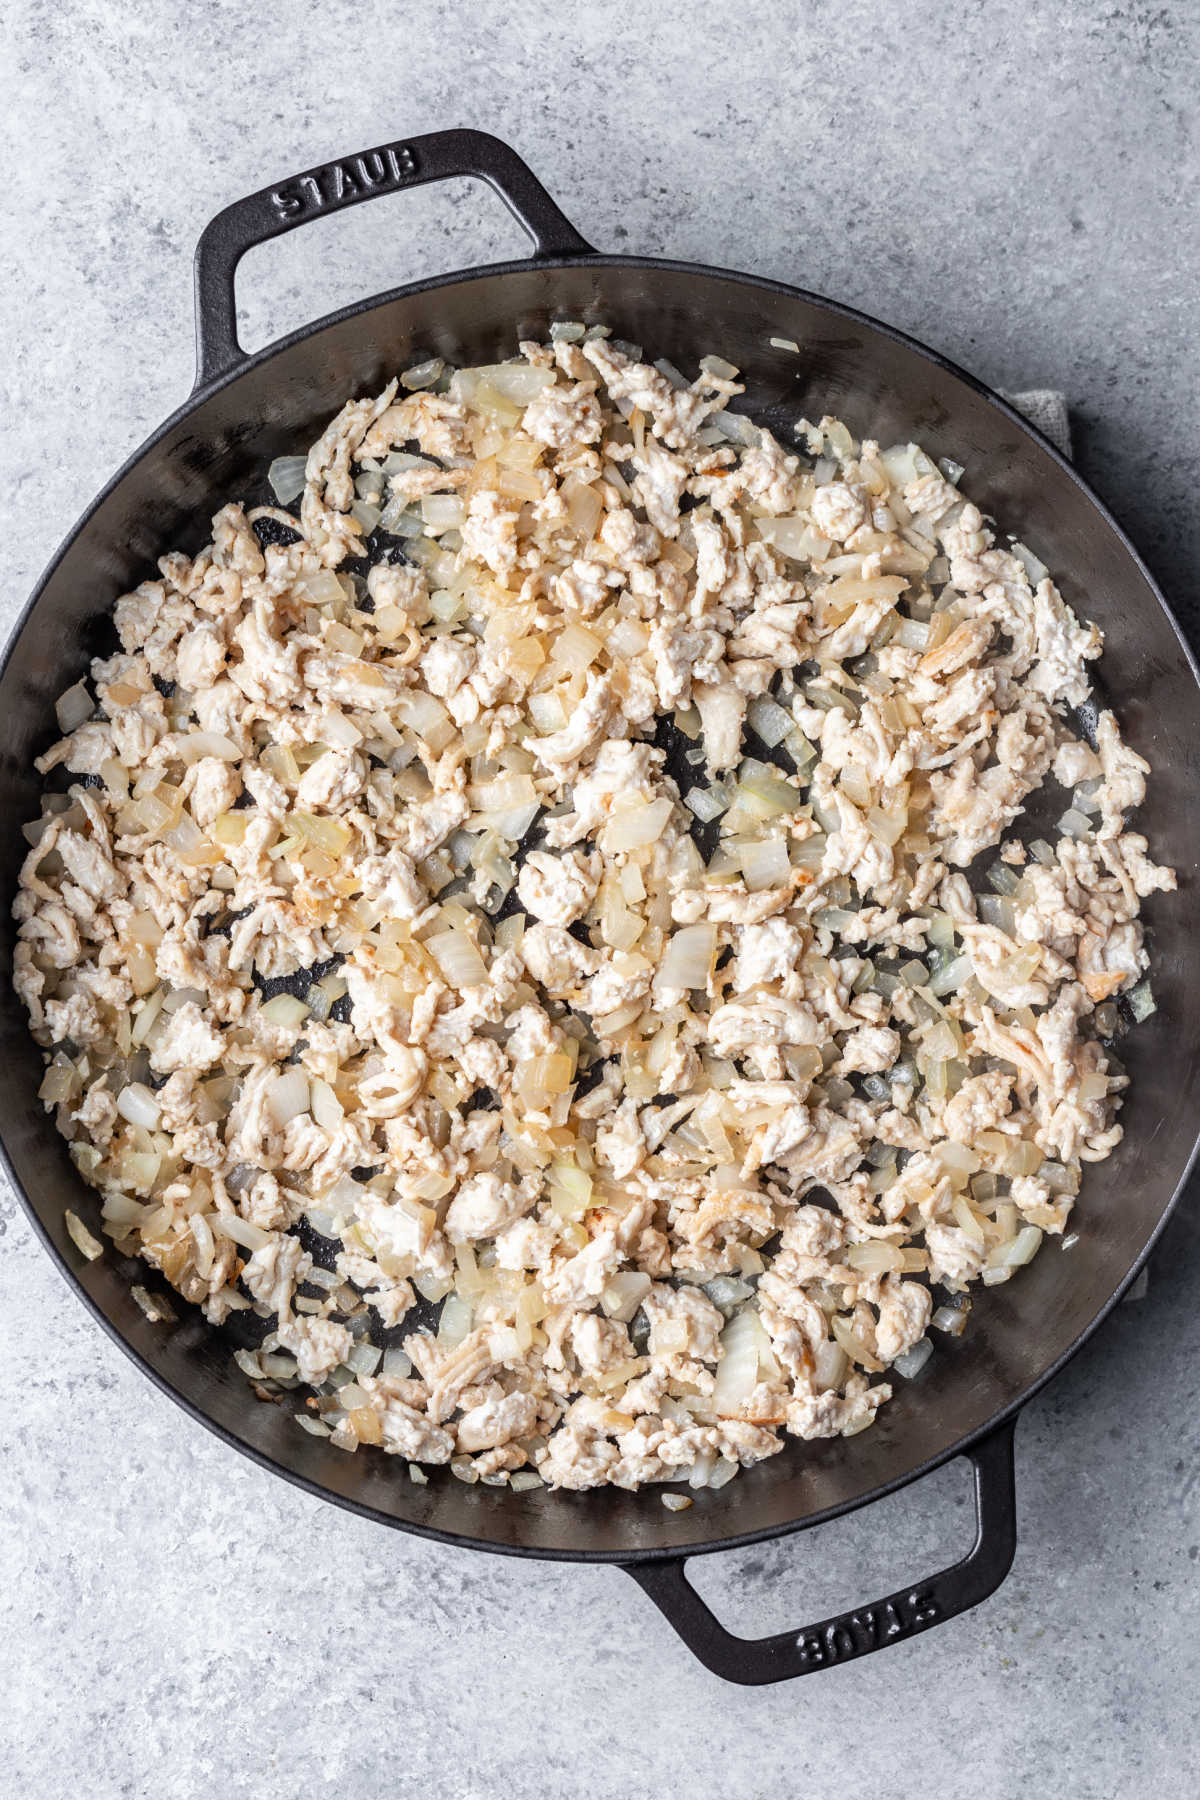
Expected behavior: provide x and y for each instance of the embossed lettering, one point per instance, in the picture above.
(859, 1632)
(924, 1606)
(337, 182)
(402, 160)
(371, 168)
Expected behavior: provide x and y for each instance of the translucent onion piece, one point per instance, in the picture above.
(633, 826)
(137, 1103)
(285, 477)
(794, 537)
(81, 1237)
(738, 1369)
(288, 1096)
(624, 1294)
(74, 707)
(457, 956)
(1075, 824)
(1141, 1001)
(737, 428)
(286, 1010)
(708, 803)
(911, 1362)
(422, 374)
(455, 1321)
(771, 722)
(689, 955)
(1035, 569)
(950, 976)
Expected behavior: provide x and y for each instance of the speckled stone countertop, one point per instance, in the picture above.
(1017, 184)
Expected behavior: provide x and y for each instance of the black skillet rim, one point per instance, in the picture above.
(433, 1533)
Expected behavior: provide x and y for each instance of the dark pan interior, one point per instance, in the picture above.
(884, 388)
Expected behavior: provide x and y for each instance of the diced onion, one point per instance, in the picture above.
(570, 1190)
(422, 374)
(1003, 878)
(677, 379)
(886, 827)
(624, 1294)
(769, 720)
(542, 1077)
(911, 1362)
(876, 1257)
(1024, 1247)
(950, 975)
(830, 1363)
(288, 1096)
(1074, 823)
(401, 520)
(60, 1082)
(442, 512)
(995, 909)
(633, 826)
(688, 959)
(285, 477)
(325, 1106)
(455, 1321)
(794, 537)
(727, 1292)
(737, 428)
(765, 863)
(900, 464)
(155, 1306)
(765, 791)
(286, 1010)
(137, 1103)
(458, 958)
(364, 1359)
(912, 635)
(708, 803)
(1141, 1001)
(716, 365)
(81, 1237)
(738, 1369)
(74, 707)
(1036, 570)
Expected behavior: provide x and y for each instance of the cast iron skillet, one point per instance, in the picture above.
(247, 409)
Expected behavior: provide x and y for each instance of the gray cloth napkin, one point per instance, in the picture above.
(1047, 409)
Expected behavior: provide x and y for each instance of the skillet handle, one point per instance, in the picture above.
(753, 1662)
(438, 156)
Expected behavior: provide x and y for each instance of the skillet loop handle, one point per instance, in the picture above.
(753, 1662)
(438, 156)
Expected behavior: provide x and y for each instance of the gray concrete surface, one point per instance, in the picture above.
(1015, 183)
